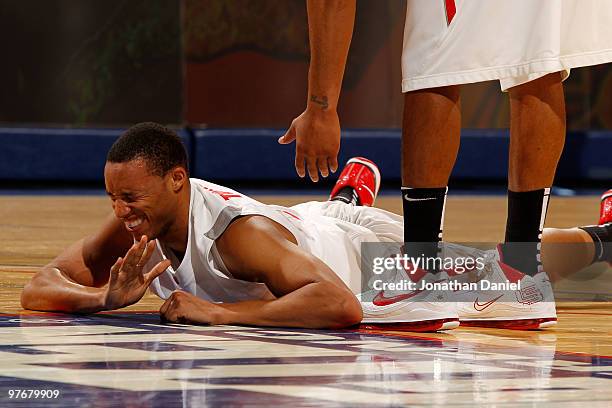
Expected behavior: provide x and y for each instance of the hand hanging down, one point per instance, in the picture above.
(317, 142)
(316, 131)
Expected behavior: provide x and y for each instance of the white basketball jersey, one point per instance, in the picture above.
(331, 231)
(450, 42)
(201, 271)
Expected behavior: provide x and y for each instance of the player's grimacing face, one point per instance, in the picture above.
(141, 200)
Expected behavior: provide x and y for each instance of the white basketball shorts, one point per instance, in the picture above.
(335, 232)
(450, 42)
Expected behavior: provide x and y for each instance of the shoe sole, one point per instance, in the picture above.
(370, 166)
(524, 324)
(419, 327)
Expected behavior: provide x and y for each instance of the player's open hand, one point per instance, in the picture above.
(128, 282)
(317, 142)
(183, 307)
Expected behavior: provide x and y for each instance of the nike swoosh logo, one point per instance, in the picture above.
(418, 199)
(484, 305)
(381, 300)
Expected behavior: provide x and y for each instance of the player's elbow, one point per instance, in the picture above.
(25, 298)
(34, 293)
(30, 292)
(352, 314)
(345, 310)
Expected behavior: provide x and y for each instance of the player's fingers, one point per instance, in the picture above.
(133, 255)
(322, 164)
(156, 271)
(146, 255)
(164, 308)
(313, 171)
(140, 249)
(333, 163)
(299, 163)
(168, 304)
(288, 137)
(168, 309)
(114, 270)
(128, 259)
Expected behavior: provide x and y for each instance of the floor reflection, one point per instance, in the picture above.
(134, 360)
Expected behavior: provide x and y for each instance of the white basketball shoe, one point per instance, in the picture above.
(410, 308)
(529, 306)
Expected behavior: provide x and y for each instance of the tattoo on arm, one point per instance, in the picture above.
(320, 100)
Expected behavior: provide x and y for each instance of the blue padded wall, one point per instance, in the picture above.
(57, 154)
(254, 154)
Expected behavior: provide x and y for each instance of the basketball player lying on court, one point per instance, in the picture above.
(219, 257)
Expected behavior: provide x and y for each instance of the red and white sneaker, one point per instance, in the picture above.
(407, 307)
(363, 176)
(530, 306)
(605, 209)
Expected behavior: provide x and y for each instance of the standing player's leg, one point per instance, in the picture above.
(430, 142)
(537, 132)
(537, 136)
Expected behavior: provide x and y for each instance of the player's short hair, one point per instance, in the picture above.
(160, 147)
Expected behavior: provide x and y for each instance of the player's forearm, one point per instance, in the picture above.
(330, 25)
(51, 291)
(316, 305)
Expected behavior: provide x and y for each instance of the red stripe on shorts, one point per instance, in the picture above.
(451, 10)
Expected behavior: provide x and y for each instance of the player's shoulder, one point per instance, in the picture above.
(207, 188)
(255, 229)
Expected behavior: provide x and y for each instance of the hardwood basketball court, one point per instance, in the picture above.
(128, 358)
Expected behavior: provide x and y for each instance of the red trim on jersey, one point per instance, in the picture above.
(293, 215)
(226, 195)
(451, 10)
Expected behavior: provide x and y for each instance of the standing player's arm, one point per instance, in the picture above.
(74, 280)
(317, 130)
(308, 293)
